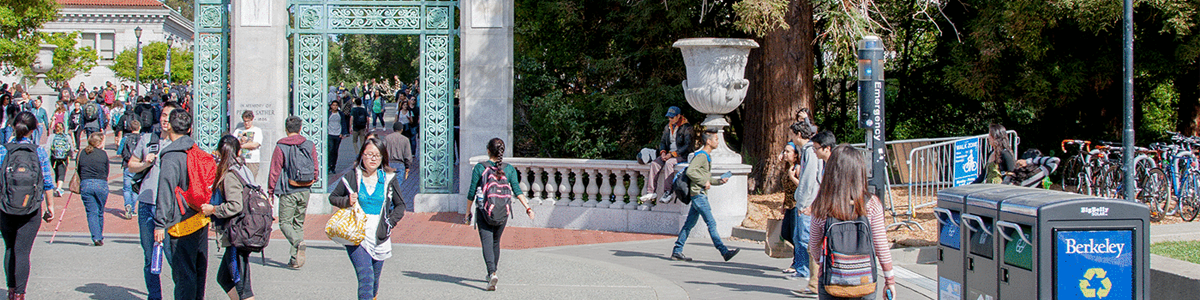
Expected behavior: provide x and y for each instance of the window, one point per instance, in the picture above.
(107, 47)
(87, 39)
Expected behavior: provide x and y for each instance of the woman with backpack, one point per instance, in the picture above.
(232, 175)
(62, 147)
(1001, 161)
(490, 232)
(19, 224)
(842, 202)
(92, 169)
(373, 186)
(377, 110)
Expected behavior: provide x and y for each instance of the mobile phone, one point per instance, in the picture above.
(888, 294)
(727, 175)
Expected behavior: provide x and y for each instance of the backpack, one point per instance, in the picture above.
(251, 229)
(145, 114)
(299, 163)
(201, 173)
(60, 147)
(131, 141)
(360, 118)
(377, 105)
(109, 96)
(848, 269)
(128, 118)
(679, 184)
(22, 173)
(152, 144)
(91, 112)
(497, 196)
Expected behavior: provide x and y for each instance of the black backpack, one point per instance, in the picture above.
(22, 173)
(146, 115)
(681, 182)
(299, 163)
(131, 141)
(139, 177)
(849, 269)
(497, 196)
(251, 229)
(360, 118)
(91, 112)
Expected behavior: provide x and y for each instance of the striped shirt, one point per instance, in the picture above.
(878, 235)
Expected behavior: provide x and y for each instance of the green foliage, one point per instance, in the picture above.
(69, 61)
(184, 7)
(354, 58)
(1158, 113)
(760, 17)
(19, 22)
(154, 56)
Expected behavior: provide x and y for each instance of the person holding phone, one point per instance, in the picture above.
(699, 170)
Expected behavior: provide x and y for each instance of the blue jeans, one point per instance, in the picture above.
(367, 270)
(127, 190)
(800, 239)
(95, 195)
(146, 235)
(699, 209)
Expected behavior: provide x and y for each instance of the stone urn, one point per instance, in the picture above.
(42, 64)
(715, 86)
(716, 83)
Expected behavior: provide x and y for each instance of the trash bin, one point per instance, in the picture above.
(951, 203)
(979, 219)
(1069, 246)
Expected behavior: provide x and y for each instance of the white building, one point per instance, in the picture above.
(108, 27)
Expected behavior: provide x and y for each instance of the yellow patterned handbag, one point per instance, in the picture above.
(348, 225)
(188, 226)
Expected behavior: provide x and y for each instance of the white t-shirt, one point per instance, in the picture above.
(253, 134)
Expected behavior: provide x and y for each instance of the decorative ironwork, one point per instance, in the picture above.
(310, 70)
(310, 17)
(437, 136)
(211, 61)
(437, 18)
(375, 17)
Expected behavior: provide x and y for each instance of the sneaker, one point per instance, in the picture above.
(492, 280)
(807, 293)
(300, 255)
(789, 271)
(667, 198)
(128, 212)
(97, 243)
(680, 257)
(58, 192)
(647, 197)
(729, 255)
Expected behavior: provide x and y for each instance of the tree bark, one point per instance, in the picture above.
(1188, 112)
(781, 83)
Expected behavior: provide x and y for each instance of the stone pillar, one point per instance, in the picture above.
(486, 83)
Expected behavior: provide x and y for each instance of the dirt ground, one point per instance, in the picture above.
(763, 207)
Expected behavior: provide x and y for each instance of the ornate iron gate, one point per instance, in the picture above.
(211, 71)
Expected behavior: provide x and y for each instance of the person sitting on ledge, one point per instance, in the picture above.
(676, 144)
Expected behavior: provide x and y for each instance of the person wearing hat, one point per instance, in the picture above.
(675, 145)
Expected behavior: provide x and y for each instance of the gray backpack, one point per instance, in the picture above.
(298, 164)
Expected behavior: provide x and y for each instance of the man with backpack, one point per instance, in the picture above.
(699, 173)
(145, 174)
(360, 120)
(93, 118)
(294, 168)
(178, 223)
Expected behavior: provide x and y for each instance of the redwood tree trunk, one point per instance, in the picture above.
(1188, 85)
(781, 82)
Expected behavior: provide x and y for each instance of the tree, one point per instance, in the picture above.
(69, 61)
(154, 56)
(19, 22)
(184, 7)
(354, 58)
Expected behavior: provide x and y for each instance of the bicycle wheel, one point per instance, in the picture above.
(1153, 189)
(1189, 205)
(1071, 180)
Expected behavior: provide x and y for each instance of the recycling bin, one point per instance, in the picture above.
(979, 219)
(951, 203)
(1068, 246)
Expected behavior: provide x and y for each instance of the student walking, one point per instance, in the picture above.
(812, 167)
(402, 159)
(294, 167)
(699, 171)
(377, 111)
(145, 175)
(188, 252)
(92, 169)
(360, 120)
(129, 141)
(233, 275)
(19, 218)
(843, 196)
(335, 135)
(251, 138)
(61, 149)
(375, 187)
(491, 191)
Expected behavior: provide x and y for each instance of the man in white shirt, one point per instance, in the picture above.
(251, 138)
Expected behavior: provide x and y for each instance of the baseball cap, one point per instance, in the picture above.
(673, 111)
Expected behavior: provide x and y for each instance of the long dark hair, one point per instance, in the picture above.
(998, 133)
(383, 155)
(227, 157)
(495, 149)
(23, 124)
(843, 190)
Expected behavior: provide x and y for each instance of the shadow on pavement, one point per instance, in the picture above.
(624, 253)
(104, 291)
(444, 278)
(737, 287)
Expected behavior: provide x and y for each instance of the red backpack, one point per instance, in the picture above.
(202, 172)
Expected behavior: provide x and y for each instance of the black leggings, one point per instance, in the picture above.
(225, 273)
(19, 232)
(60, 169)
(489, 238)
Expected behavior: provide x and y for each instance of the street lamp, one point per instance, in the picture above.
(137, 71)
(167, 67)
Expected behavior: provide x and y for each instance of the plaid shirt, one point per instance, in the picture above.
(43, 159)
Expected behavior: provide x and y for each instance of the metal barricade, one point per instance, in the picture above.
(930, 168)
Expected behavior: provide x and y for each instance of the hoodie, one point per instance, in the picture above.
(393, 206)
(277, 184)
(172, 173)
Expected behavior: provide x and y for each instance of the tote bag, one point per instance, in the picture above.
(777, 247)
(348, 225)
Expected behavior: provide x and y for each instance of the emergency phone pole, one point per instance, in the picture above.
(871, 110)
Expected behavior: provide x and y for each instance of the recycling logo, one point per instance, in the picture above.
(1085, 285)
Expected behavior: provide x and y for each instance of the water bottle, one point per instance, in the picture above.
(156, 259)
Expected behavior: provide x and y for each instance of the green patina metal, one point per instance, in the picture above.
(312, 23)
(211, 61)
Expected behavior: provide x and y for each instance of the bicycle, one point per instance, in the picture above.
(1185, 177)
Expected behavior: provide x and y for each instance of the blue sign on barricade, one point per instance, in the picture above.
(1094, 264)
(966, 161)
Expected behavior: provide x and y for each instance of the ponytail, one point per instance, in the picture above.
(495, 148)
